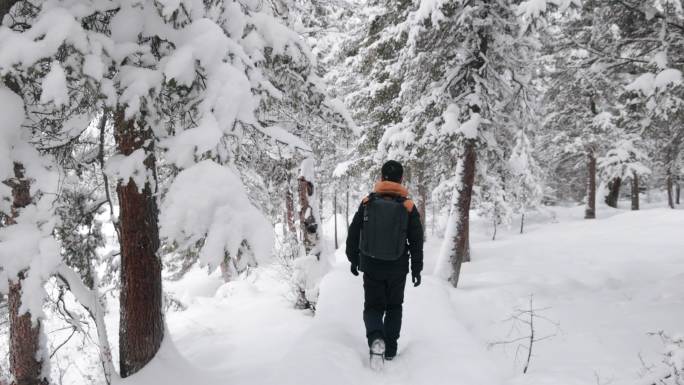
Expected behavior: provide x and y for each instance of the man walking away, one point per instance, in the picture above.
(385, 233)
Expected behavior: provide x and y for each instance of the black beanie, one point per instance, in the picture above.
(392, 171)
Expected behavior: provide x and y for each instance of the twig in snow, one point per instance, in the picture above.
(527, 318)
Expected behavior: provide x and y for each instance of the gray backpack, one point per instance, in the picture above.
(385, 228)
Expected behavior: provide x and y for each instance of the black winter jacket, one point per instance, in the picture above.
(414, 251)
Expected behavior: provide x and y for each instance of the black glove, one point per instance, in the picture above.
(416, 279)
(355, 269)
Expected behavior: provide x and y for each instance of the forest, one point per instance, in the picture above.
(178, 178)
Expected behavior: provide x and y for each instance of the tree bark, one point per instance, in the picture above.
(635, 191)
(678, 191)
(142, 321)
(335, 217)
(422, 198)
(289, 209)
(5, 6)
(320, 203)
(590, 211)
(25, 365)
(346, 205)
(613, 192)
(670, 196)
(461, 251)
(307, 220)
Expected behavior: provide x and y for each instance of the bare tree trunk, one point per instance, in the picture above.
(422, 198)
(320, 207)
(613, 192)
(142, 321)
(635, 191)
(668, 181)
(289, 208)
(590, 211)
(678, 190)
(307, 220)
(461, 252)
(522, 222)
(335, 217)
(25, 365)
(432, 221)
(346, 206)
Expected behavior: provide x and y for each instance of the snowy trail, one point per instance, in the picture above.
(434, 347)
(606, 282)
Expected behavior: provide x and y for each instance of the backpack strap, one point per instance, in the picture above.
(408, 204)
(364, 202)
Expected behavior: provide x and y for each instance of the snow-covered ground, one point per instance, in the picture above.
(602, 285)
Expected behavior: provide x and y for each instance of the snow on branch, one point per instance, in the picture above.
(207, 204)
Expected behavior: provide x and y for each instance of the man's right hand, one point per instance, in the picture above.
(355, 269)
(415, 277)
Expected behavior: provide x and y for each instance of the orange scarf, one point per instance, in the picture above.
(390, 188)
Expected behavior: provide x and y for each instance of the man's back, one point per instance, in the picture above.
(385, 234)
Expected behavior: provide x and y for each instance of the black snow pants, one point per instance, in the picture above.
(384, 296)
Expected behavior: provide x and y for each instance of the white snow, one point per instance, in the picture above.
(55, 86)
(128, 167)
(29, 246)
(453, 125)
(535, 8)
(208, 201)
(306, 170)
(648, 83)
(12, 111)
(605, 282)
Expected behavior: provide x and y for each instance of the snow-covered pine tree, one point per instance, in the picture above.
(625, 160)
(525, 184)
(578, 106)
(618, 47)
(35, 103)
(476, 56)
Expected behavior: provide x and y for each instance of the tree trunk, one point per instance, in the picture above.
(522, 222)
(590, 211)
(25, 365)
(5, 6)
(142, 321)
(289, 212)
(307, 220)
(320, 202)
(346, 206)
(635, 191)
(335, 217)
(422, 199)
(668, 181)
(613, 192)
(466, 178)
(678, 191)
